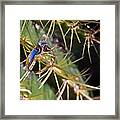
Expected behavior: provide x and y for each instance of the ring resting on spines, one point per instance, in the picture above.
(41, 47)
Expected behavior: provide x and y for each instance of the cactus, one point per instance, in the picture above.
(65, 68)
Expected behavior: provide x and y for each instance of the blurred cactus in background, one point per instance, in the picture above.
(59, 59)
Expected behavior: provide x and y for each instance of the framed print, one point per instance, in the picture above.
(59, 59)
